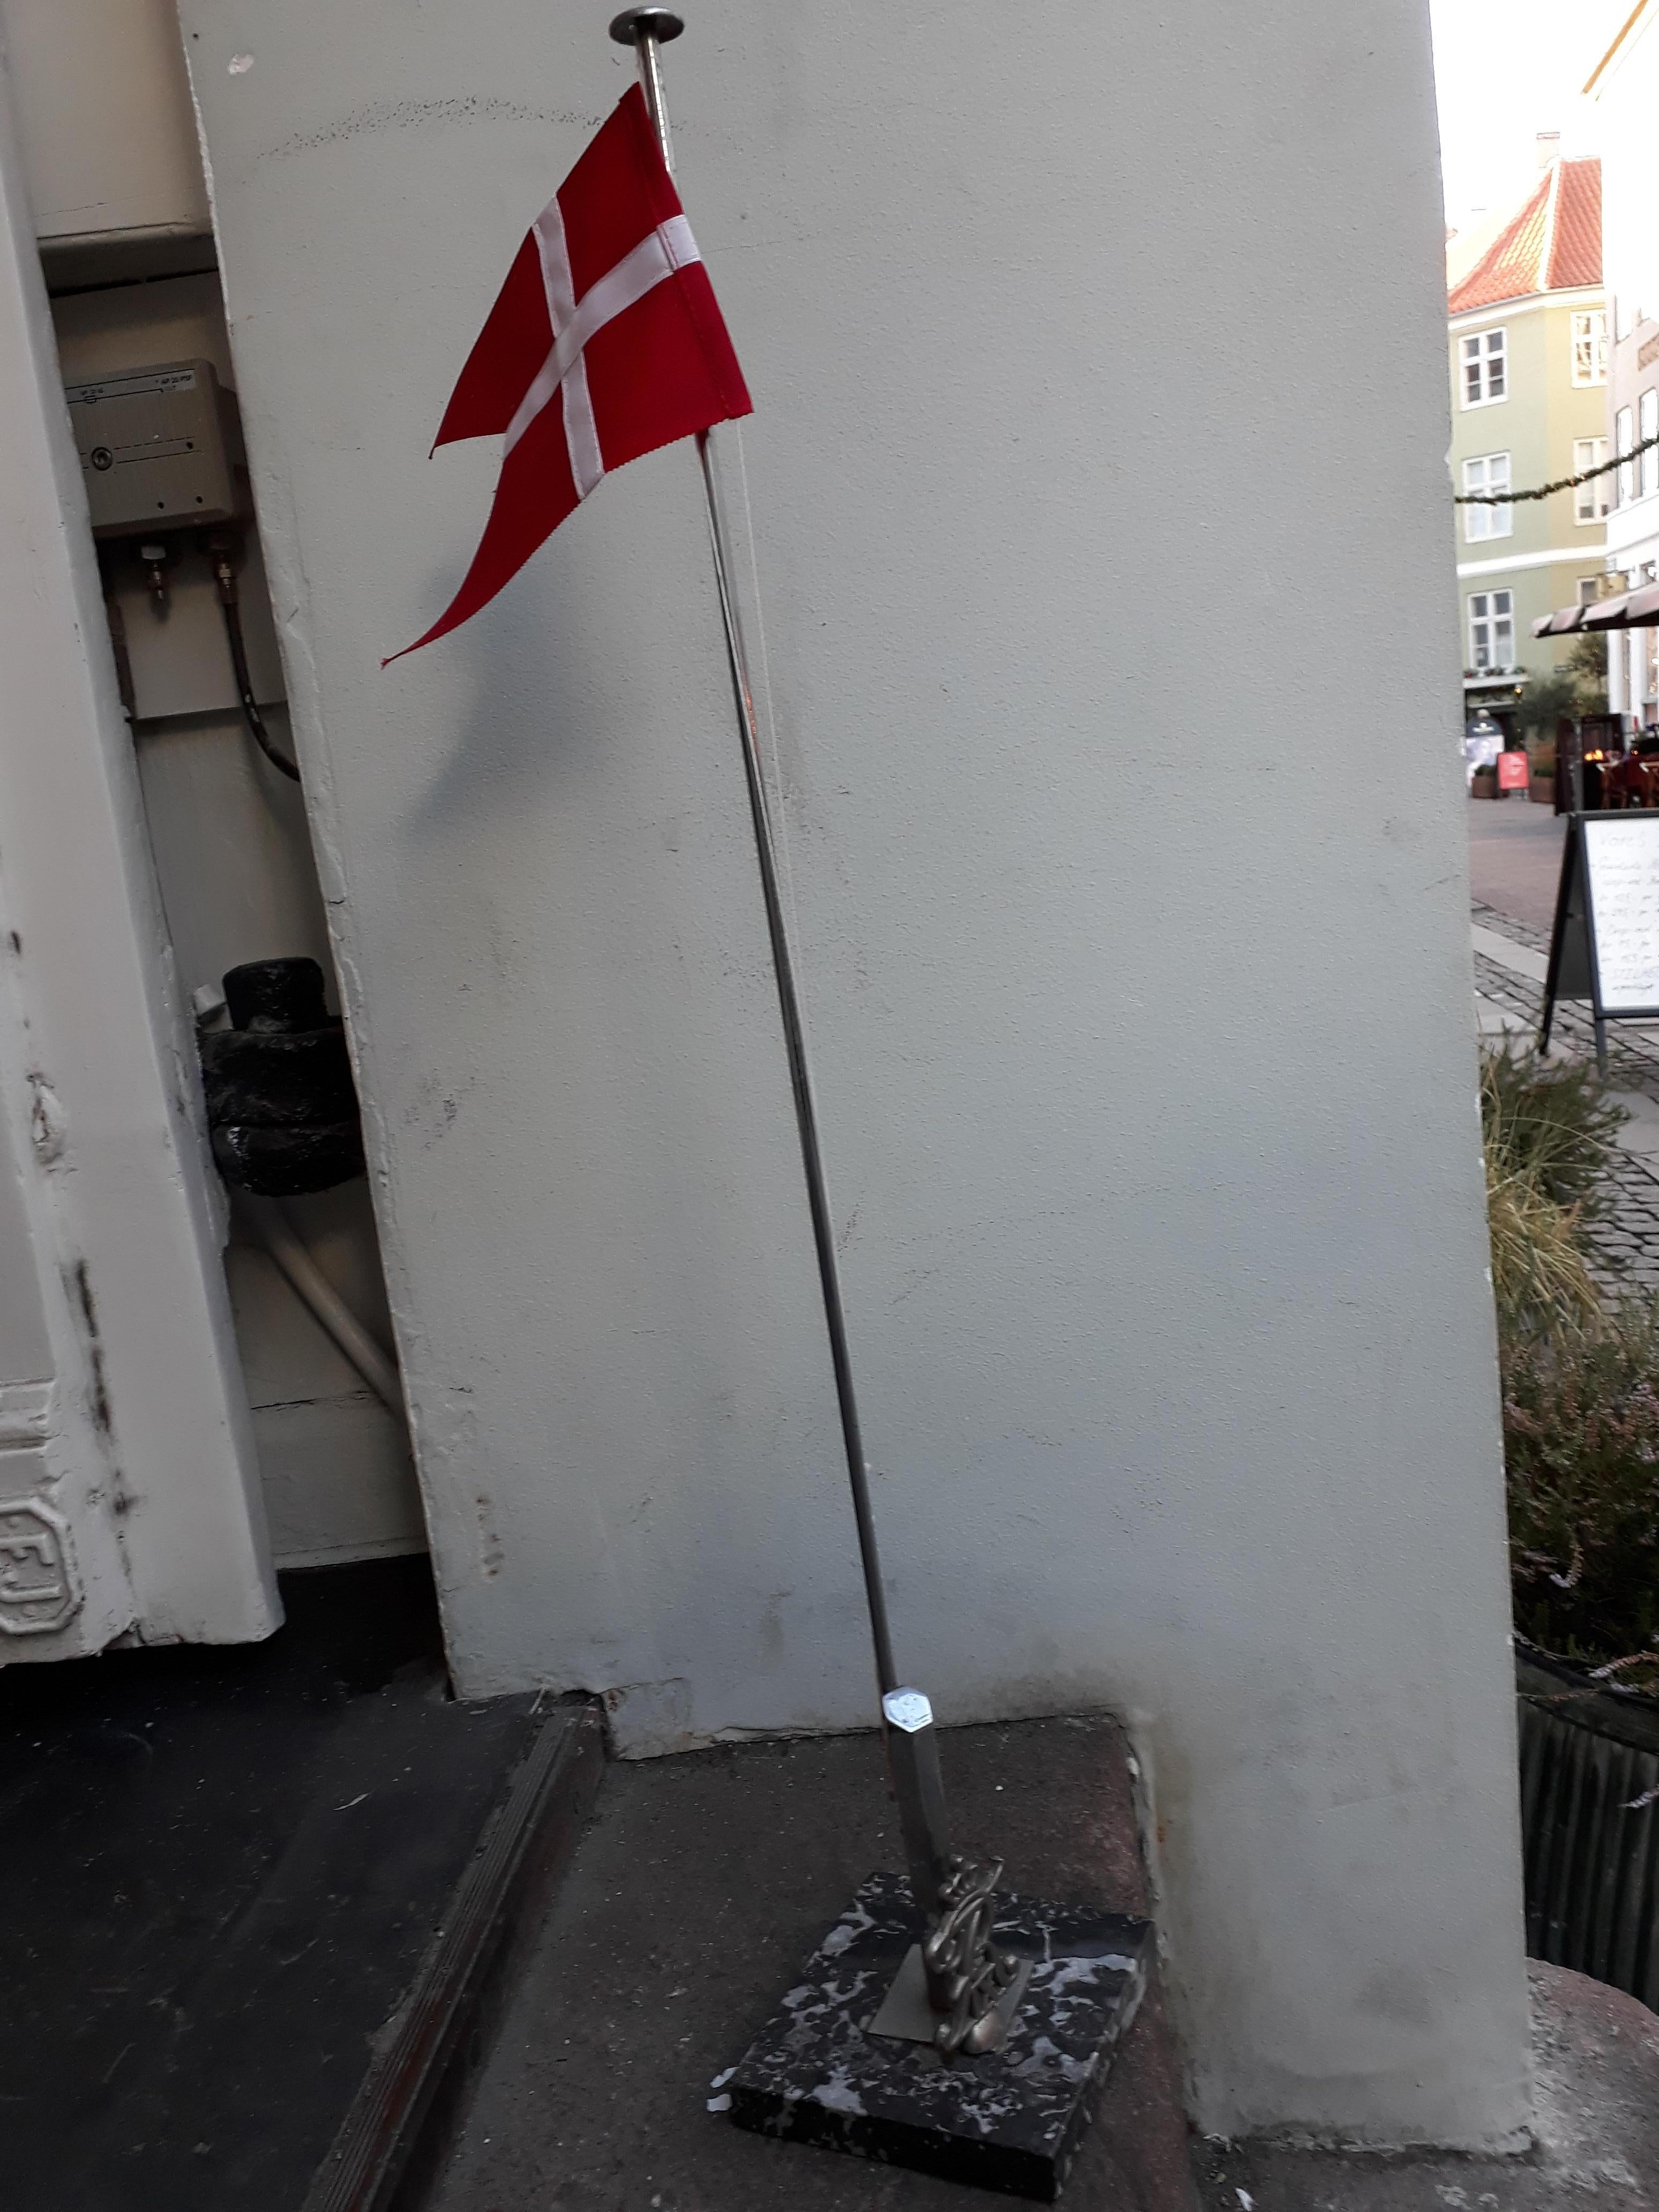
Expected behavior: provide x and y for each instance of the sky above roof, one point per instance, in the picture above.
(1504, 70)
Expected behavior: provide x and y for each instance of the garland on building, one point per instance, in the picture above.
(1562, 484)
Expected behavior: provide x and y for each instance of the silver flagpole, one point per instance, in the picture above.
(970, 1990)
(646, 29)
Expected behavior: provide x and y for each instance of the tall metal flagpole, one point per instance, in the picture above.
(646, 29)
(970, 1990)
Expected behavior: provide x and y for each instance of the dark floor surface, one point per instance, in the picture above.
(704, 1880)
(220, 1866)
(1515, 857)
(701, 1885)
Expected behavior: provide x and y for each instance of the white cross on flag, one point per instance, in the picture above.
(604, 343)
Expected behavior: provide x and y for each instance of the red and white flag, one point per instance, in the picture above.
(604, 343)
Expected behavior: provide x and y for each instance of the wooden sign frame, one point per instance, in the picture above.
(1575, 964)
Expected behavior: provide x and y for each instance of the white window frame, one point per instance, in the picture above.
(1487, 472)
(1590, 346)
(1483, 352)
(1624, 437)
(1590, 501)
(1490, 625)
(1647, 425)
(1589, 591)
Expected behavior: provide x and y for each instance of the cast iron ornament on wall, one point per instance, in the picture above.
(40, 1588)
(281, 1106)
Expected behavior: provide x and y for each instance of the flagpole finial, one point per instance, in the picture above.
(633, 24)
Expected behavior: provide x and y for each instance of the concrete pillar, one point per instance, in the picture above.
(1141, 1013)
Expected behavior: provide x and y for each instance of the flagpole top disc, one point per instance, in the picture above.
(661, 24)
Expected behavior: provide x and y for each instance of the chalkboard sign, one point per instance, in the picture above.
(1605, 945)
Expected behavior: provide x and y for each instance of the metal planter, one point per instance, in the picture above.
(1589, 1756)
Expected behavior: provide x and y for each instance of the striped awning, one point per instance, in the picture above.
(1637, 609)
(1557, 624)
(1609, 614)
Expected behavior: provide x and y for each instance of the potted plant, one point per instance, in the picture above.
(1581, 1432)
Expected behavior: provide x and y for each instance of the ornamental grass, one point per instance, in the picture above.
(1580, 1377)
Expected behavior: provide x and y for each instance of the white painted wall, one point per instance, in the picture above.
(1625, 99)
(1141, 1014)
(127, 1427)
(105, 132)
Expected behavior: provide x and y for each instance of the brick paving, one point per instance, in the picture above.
(1625, 1244)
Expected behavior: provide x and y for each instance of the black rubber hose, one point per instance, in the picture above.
(251, 714)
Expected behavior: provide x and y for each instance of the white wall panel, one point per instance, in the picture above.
(104, 130)
(146, 1438)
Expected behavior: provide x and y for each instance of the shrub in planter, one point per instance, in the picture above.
(1580, 1429)
(1550, 1120)
(1547, 1129)
(1580, 1438)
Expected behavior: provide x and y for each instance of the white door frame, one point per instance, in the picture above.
(129, 1503)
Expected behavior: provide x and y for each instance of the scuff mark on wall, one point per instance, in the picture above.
(48, 1131)
(87, 1306)
(492, 1552)
(401, 114)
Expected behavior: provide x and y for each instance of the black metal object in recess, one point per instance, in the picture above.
(281, 1106)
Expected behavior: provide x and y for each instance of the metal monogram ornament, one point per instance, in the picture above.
(967, 1978)
(968, 1991)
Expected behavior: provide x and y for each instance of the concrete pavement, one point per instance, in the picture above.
(1515, 858)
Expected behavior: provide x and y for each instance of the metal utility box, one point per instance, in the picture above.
(156, 447)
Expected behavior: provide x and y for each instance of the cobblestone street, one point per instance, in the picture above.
(1509, 958)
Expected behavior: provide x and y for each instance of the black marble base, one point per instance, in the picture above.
(1011, 2121)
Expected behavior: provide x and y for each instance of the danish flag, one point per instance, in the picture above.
(604, 343)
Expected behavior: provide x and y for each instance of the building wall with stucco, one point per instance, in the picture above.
(1166, 1267)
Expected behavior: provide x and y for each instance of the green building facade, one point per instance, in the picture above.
(1528, 350)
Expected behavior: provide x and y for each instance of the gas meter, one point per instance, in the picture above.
(157, 447)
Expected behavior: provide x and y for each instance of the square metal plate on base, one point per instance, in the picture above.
(906, 2013)
(1011, 2121)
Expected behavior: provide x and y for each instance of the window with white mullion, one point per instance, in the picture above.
(1591, 501)
(1590, 346)
(1486, 474)
(1492, 631)
(1648, 427)
(1484, 357)
(1623, 436)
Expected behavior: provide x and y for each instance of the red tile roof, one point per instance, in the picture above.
(1551, 244)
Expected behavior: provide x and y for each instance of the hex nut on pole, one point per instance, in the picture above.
(913, 1759)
